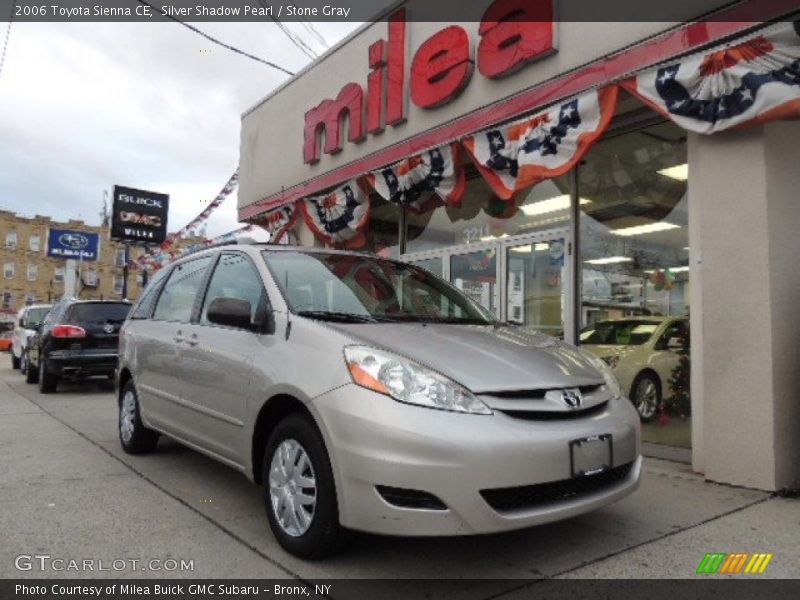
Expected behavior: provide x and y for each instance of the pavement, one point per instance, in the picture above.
(68, 490)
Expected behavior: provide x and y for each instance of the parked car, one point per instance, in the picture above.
(27, 321)
(77, 339)
(369, 394)
(642, 352)
(5, 341)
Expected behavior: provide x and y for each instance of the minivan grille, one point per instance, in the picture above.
(555, 415)
(530, 496)
(535, 394)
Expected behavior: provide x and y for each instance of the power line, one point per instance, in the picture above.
(218, 42)
(314, 32)
(8, 35)
(304, 48)
(296, 40)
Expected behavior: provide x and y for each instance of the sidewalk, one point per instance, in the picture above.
(67, 490)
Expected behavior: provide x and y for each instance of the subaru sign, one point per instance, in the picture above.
(139, 215)
(65, 243)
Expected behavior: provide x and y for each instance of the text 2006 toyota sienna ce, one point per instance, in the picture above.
(370, 395)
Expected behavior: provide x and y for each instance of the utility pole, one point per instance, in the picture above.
(125, 273)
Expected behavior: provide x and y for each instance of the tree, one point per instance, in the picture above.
(105, 216)
(679, 404)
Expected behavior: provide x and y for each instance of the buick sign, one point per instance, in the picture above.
(65, 243)
(139, 216)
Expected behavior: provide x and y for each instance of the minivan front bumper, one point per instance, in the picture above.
(484, 468)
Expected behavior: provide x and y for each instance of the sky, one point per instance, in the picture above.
(85, 106)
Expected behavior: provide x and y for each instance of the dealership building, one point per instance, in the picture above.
(568, 175)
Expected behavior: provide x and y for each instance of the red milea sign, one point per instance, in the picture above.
(512, 33)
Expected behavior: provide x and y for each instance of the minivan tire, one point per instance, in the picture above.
(324, 535)
(142, 440)
(48, 382)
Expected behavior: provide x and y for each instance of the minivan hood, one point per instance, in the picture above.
(483, 358)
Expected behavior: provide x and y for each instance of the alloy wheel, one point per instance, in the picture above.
(646, 398)
(127, 416)
(292, 488)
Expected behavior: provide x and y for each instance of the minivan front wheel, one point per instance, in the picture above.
(299, 491)
(134, 437)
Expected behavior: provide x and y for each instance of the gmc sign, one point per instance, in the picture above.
(139, 215)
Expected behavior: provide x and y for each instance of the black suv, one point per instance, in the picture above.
(78, 338)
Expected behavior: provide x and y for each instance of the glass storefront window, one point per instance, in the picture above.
(383, 233)
(634, 246)
(434, 265)
(634, 225)
(484, 217)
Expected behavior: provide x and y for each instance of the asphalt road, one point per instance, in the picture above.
(68, 490)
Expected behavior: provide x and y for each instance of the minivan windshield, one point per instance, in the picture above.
(354, 288)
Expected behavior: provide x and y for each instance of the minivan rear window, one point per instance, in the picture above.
(100, 312)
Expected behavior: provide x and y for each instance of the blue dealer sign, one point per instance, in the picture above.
(64, 243)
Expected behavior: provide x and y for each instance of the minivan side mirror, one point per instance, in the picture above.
(231, 312)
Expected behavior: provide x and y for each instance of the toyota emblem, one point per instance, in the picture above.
(108, 328)
(571, 398)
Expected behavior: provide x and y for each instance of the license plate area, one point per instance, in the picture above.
(591, 455)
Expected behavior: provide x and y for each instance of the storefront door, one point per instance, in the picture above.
(522, 279)
(536, 275)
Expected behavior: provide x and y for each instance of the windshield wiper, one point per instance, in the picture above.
(327, 315)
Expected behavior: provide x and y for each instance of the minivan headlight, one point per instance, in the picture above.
(407, 381)
(605, 370)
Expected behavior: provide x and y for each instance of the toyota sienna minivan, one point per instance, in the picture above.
(367, 394)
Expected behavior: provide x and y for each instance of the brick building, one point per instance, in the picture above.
(29, 276)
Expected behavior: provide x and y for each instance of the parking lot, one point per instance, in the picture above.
(67, 490)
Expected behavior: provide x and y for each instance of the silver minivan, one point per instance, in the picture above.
(368, 394)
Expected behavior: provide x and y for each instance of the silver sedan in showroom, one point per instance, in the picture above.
(367, 394)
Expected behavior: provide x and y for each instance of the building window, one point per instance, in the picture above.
(8, 270)
(89, 278)
(34, 243)
(634, 260)
(33, 272)
(119, 259)
(482, 217)
(634, 235)
(118, 284)
(8, 299)
(58, 275)
(11, 240)
(31, 298)
(140, 278)
(383, 234)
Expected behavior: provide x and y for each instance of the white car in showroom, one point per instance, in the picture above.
(642, 352)
(27, 321)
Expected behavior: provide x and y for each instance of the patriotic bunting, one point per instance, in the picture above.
(279, 221)
(149, 258)
(548, 144)
(415, 182)
(339, 217)
(748, 83)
